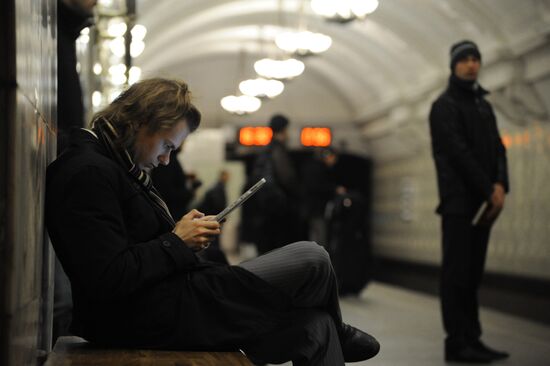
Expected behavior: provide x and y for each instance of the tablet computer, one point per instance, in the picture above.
(246, 195)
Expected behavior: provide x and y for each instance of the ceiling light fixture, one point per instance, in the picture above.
(303, 42)
(261, 87)
(279, 69)
(137, 45)
(134, 74)
(138, 32)
(344, 10)
(116, 27)
(241, 104)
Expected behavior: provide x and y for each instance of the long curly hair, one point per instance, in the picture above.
(155, 103)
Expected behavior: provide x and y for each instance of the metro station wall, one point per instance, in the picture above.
(28, 131)
(405, 225)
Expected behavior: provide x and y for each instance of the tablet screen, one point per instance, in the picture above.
(246, 195)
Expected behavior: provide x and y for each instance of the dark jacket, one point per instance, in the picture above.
(282, 190)
(319, 186)
(467, 149)
(284, 170)
(134, 282)
(215, 200)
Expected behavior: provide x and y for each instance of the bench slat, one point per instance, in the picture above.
(74, 351)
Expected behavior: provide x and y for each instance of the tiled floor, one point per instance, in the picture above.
(408, 326)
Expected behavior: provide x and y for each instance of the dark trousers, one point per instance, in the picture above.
(464, 251)
(302, 270)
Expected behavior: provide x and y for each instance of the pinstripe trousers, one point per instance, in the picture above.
(303, 271)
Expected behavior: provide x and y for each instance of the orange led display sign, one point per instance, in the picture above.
(315, 136)
(255, 136)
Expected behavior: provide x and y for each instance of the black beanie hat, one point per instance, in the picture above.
(278, 123)
(462, 49)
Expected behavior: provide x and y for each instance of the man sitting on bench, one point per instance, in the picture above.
(135, 276)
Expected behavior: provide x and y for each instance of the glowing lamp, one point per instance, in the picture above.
(255, 136)
(315, 136)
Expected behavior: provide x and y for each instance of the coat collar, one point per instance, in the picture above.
(465, 89)
(81, 137)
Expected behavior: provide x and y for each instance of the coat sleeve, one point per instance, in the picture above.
(284, 170)
(317, 182)
(103, 261)
(502, 162)
(449, 141)
(502, 166)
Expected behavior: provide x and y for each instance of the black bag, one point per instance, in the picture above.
(348, 244)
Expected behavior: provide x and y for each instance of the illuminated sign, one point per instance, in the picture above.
(255, 136)
(315, 136)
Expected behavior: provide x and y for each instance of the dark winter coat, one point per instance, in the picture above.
(214, 201)
(319, 186)
(134, 282)
(467, 149)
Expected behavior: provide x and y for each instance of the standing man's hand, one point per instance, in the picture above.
(497, 202)
(197, 230)
(341, 190)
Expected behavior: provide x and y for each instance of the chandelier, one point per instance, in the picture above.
(344, 10)
(261, 87)
(112, 46)
(303, 42)
(241, 104)
(279, 69)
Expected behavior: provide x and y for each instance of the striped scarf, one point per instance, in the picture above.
(106, 135)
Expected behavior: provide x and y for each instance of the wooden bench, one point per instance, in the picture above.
(75, 351)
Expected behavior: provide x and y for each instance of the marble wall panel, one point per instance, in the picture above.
(25, 221)
(7, 108)
(23, 347)
(28, 145)
(29, 165)
(37, 54)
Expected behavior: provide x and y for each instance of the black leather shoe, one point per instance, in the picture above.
(492, 353)
(357, 345)
(467, 354)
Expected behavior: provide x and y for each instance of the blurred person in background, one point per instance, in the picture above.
(176, 187)
(279, 201)
(320, 187)
(72, 17)
(213, 202)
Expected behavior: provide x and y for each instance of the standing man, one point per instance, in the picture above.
(280, 198)
(470, 160)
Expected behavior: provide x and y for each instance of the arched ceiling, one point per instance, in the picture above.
(400, 51)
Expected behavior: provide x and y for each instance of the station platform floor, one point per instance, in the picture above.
(408, 326)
